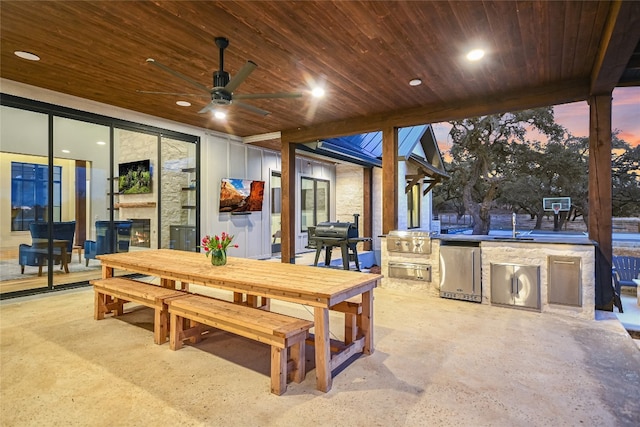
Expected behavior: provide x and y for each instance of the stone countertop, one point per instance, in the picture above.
(527, 238)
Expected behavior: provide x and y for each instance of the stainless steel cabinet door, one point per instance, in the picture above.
(515, 285)
(526, 285)
(502, 284)
(460, 270)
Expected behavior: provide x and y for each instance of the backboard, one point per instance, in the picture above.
(549, 202)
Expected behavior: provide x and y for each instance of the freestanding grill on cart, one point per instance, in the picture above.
(344, 235)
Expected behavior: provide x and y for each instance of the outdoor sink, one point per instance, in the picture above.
(511, 239)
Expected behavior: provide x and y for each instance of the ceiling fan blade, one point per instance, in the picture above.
(252, 108)
(268, 95)
(209, 107)
(173, 93)
(179, 75)
(241, 76)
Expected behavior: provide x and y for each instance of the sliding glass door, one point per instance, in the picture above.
(24, 178)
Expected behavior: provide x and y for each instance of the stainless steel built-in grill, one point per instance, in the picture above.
(416, 242)
(405, 266)
(344, 235)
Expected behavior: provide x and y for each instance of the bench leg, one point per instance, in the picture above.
(297, 355)
(278, 370)
(99, 305)
(176, 331)
(160, 325)
(181, 329)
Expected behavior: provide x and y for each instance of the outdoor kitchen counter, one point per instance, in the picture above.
(555, 260)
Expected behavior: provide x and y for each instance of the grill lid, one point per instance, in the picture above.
(340, 230)
(404, 234)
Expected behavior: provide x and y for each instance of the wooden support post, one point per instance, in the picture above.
(600, 223)
(389, 179)
(288, 181)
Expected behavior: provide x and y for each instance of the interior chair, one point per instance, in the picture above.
(117, 237)
(37, 256)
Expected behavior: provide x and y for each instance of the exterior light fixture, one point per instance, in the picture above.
(415, 82)
(66, 151)
(475, 55)
(317, 92)
(101, 143)
(26, 55)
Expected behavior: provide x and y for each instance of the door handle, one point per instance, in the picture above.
(473, 273)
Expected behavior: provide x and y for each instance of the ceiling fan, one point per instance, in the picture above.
(223, 85)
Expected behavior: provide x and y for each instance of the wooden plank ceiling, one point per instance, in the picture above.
(364, 53)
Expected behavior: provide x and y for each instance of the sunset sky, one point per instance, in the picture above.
(575, 117)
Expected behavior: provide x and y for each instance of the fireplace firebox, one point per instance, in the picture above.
(141, 233)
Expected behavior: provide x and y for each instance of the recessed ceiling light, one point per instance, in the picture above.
(415, 82)
(475, 54)
(101, 143)
(27, 55)
(183, 103)
(219, 114)
(317, 92)
(66, 151)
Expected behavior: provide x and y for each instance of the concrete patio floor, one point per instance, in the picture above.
(437, 363)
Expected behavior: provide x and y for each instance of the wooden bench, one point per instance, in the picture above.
(286, 335)
(111, 295)
(352, 309)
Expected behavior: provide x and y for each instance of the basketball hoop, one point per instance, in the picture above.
(556, 208)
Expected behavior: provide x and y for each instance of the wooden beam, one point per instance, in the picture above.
(617, 44)
(513, 100)
(432, 183)
(288, 223)
(389, 179)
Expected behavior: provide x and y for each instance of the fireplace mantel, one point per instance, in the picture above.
(135, 205)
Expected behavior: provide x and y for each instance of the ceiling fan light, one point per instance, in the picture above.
(219, 114)
(27, 55)
(415, 82)
(317, 92)
(475, 55)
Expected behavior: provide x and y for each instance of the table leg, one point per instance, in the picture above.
(366, 321)
(323, 349)
(107, 272)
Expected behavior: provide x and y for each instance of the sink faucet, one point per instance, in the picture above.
(513, 225)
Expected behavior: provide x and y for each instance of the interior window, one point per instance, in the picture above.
(314, 202)
(29, 194)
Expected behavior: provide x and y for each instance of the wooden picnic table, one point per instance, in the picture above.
(308, 285)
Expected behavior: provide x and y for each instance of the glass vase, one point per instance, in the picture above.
(218, 257)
